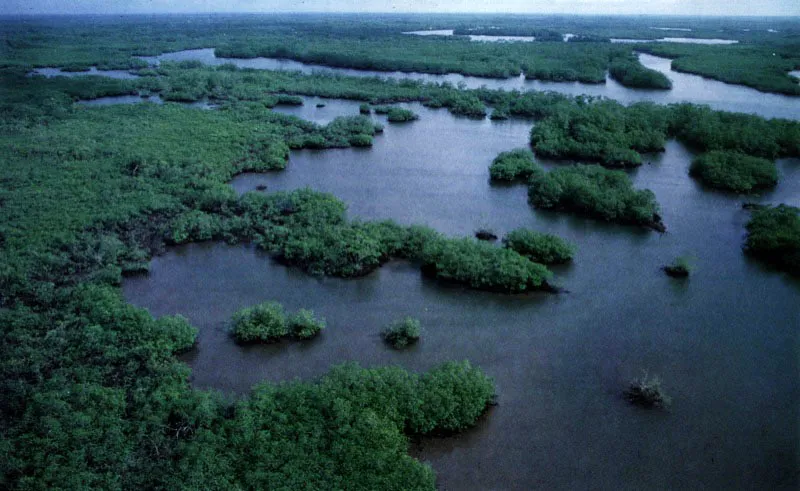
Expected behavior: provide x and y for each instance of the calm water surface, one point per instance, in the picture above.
(686, 87)
(724, 342)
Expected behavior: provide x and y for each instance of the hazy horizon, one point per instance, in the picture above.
(709, 8)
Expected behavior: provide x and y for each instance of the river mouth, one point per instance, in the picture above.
(724, 342)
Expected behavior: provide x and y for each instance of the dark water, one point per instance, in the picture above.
(57, 72)
(725, 342)
(686, 87)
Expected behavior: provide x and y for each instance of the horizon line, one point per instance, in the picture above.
(322, 12)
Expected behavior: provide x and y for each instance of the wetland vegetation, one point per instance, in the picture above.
(596, 192)
(94, 394)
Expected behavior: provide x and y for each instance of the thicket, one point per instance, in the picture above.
(264, 323)
(267, 323)
(515, 164)
(539, 247)
(483, 266)
(602, 131)
(630, 73)
(303, 324)
(764, 66)
(614, 135)
(400, 115)
(93, 396)
(773, 235)
(734, 171)
(402, 333)
(596, 192)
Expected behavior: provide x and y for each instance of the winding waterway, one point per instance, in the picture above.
(686, 87)
(724, 342)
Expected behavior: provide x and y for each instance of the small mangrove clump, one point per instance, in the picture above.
(267, 323)
(402, 333)
(773, 235)
(485, 234)
(483, 266)
(734, 171)
(304, 325)
(594, 191)
(365, 109)
(680, 267)
(289, 100)
(512, 165)
(646, 392)
(400, 115)
(320, 104)
(539, 247)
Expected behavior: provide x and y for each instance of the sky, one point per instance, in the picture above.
(672, 7)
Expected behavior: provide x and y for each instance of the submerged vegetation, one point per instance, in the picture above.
(402, 333)
(681, 267)
(596, 192)
(734, 171)
(512, 165)
(646, 392)
(773, 235)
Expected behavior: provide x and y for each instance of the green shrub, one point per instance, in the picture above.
(361, 140)
(365, 109)
(338, 250)
(539, 247)
(596, 192)
(773, 235)
(500, 113)
(402, 333)
(400, 115)
(515, 164)
(304, 325)
(605, 132)
(453, 396)
(630, 73)
(289, 100)
(734, 171)
(265, 323)
(482, 266)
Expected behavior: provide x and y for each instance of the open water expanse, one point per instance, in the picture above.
(725, 342)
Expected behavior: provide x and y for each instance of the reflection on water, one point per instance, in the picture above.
(724, 342)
